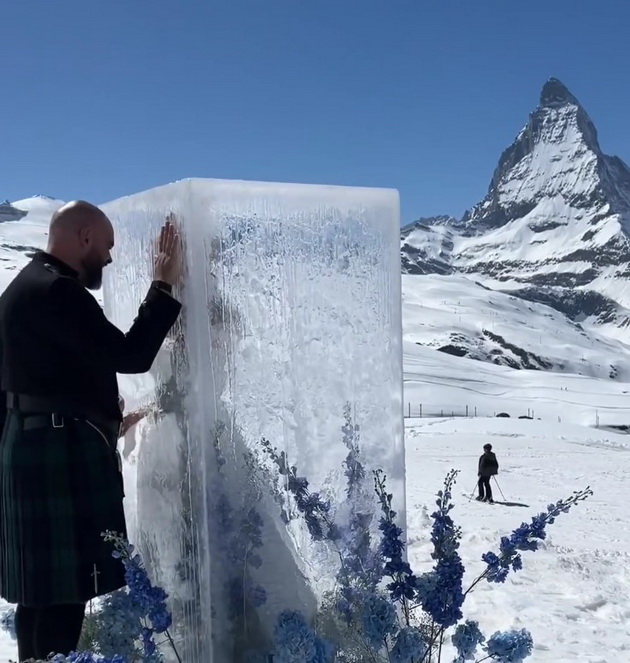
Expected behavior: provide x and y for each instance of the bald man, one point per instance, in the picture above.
(60, 479)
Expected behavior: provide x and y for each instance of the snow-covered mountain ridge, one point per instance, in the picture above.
(554, 226)
(24, 232)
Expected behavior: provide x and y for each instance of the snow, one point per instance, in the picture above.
(443, 310)
(572, 594)
(39, 208)
(560, 160)
(18, 239)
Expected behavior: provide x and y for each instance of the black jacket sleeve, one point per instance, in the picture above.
(3, 397)
(78, 324)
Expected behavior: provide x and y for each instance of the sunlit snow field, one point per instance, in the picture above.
(574, 594)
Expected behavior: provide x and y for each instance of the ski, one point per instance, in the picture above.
(474, 499)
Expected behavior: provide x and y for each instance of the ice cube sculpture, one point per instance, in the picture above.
(288, 351)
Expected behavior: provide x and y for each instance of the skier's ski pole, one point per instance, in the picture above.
(499, 487)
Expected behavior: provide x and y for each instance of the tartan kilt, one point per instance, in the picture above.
(60, 488)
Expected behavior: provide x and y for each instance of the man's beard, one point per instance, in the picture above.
(92, 272)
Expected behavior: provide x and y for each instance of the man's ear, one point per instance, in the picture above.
(85, 235)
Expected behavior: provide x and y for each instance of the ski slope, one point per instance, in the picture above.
(443, 384)
(573, 594)
(496, 327)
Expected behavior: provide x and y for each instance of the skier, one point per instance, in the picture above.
(488, 467)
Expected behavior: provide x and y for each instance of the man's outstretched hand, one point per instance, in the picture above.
(132, 418)
(168, 258)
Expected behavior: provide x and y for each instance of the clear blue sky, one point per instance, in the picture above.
(105, 98)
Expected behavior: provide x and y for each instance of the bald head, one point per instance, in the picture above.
(82, 236)
(71, 217)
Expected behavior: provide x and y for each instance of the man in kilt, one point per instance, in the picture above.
(60, 477)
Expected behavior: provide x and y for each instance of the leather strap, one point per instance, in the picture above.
(36, 421)
(56, 408)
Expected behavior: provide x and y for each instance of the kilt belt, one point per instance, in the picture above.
(39, 412)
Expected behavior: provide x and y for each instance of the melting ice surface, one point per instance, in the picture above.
(291, 334)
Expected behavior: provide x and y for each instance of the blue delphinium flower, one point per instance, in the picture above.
(526, 538)
(378, 619)
(7, 622)
(315, 510)
(440, 591)
(403, 581)
(324, 651)
(149, 602)
(241, 587)
(466, 639)
(86, 657)
(294, 640)
(410, 646)
(238, 534)
(362, 565)
(510, 646)
(119, 626)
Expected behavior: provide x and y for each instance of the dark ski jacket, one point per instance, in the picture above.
(488, 464)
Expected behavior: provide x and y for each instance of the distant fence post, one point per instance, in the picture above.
(420, 410)
(467, 410)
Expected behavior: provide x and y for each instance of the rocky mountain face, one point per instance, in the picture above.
(554, 226)
(10, 213)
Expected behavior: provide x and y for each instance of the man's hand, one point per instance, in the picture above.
(168, 259)
(131, 419)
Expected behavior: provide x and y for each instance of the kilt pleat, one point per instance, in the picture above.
(60, 488)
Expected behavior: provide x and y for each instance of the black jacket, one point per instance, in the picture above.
(55, 341)
(488, 464)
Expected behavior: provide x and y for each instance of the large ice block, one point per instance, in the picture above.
(291, 333)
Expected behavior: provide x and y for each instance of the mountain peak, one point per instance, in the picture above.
(555, 93)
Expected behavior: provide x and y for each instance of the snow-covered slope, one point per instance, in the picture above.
(427, 246)
(438, 383)
(459, 316)
(572, 594)
(554, 225)
(20, 238)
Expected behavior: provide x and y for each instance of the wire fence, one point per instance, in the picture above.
(604, 420)
(420, 411)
